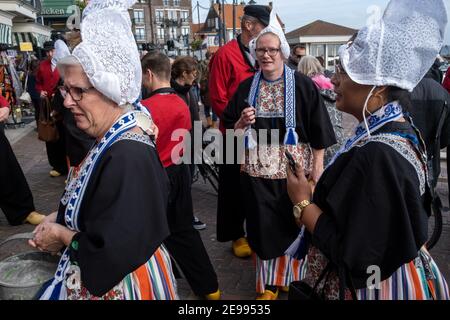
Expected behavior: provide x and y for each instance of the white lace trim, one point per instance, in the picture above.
(405, 150)
(136, 137)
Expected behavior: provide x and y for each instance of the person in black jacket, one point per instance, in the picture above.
(429, 111)
(184, 73)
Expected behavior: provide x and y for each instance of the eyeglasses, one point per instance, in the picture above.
(272, 52)
(299, 56)
(75, 92)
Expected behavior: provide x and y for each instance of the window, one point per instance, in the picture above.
(159, 16)
(184, 15)
(185, 31)
(160, 33)
(333, 50)
(173, 33)
(172, 14)
(139, 17)
(176, 3)
(142, 1)
(166, 3)
(211, 23)
(317, 50)
(140, 34)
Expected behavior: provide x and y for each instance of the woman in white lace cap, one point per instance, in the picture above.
(112, 217)
(366, 224)
(286, 106)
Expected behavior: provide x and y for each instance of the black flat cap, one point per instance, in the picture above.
(262, 13)
(49, 45)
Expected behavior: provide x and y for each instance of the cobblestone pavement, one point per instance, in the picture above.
(236, 276)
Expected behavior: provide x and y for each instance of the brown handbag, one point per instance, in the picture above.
(47, 130)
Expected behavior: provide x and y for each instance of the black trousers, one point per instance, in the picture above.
(184, 243)
(56, 151)
(230, 205)
(16, 200)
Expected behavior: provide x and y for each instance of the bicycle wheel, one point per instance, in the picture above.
(434, 224)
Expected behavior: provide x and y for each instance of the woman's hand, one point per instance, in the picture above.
(248, 117)
(316, 173)
(298, 187)
(48, 236)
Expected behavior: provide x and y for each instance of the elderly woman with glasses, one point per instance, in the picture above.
(280, 110)
(366, 223)
(111, 221)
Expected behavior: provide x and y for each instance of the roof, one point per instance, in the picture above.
(196, 27)
(321, 28)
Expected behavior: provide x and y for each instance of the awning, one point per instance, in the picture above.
(35, 38)
(5, 34)
(19, 37)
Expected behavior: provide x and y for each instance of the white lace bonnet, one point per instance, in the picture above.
(273, 27)
(399, 49)
(108, 51)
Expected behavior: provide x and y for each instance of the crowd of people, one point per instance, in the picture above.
(311, 205)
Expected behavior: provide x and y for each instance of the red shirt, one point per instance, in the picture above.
(46, 79)
(228, 69)
(3, 102)
(446, 83)
(169, 112)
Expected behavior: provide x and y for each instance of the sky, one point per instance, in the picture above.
(297, 13)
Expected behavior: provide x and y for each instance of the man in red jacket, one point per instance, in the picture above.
(170, 113)
(231, 65)
(47, 80)
(47, 77)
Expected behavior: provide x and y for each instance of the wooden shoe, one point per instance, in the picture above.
(268, 295)
(54, 173)
(241, 248)
(213, 296)
(34, 218)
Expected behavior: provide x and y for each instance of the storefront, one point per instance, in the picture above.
(56, 12)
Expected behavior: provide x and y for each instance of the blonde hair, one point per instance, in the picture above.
(310, 66)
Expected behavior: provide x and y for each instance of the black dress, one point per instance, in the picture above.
(16, 200)
(122, 216)
(374, 212)
(271, 227)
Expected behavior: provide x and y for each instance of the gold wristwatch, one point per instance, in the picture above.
(299, 207)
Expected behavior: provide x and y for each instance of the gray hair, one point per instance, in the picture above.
(310, 66)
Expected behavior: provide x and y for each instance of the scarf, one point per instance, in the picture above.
(291, 136)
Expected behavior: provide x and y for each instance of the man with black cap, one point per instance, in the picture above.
(231, 65)
(47, 79)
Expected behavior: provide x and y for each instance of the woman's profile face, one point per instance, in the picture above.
(350, 96)
(88, 106)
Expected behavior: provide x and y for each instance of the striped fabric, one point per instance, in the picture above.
(279, 272)
(153, 280)
(5, 34)
(19, 37)
(410, 282)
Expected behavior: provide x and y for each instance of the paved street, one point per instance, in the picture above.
(236, 276)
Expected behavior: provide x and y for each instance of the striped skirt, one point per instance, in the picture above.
(419, 279)
(152, 281)
(279, 272)
(412, 281)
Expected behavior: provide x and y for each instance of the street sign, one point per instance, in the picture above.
(26, 46)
